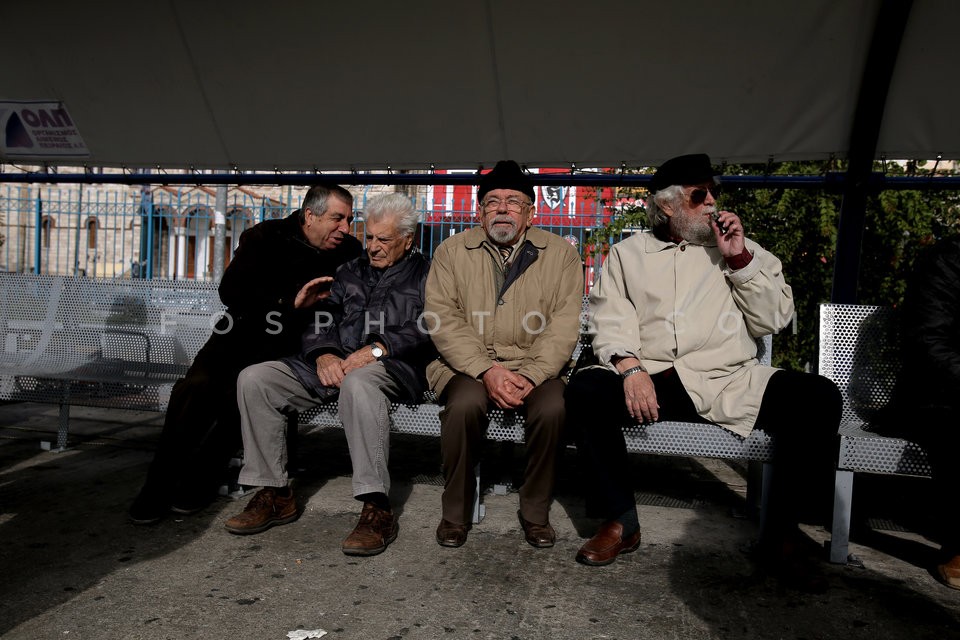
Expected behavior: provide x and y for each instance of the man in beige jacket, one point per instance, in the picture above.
(674, 319)
(502, 303)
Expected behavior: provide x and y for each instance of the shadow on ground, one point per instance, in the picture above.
(73, 566)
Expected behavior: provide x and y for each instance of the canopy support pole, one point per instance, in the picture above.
(880, 63)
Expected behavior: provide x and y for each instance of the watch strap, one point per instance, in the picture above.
(632, 370)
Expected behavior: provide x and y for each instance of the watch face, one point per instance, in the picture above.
(377, 352)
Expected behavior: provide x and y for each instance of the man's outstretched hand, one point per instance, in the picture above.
(313, 292)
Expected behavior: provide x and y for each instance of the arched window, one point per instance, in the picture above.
(92, 227)
(198, 221)
(238, 220)
(46, 225)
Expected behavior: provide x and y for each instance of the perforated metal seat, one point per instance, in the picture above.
(700, 439)
(859, 351)
(667, 438)
(663, 438)
(123, 343)
(113, 343)
(708, 440)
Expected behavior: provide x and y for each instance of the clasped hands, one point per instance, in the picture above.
(507, 389)
(331, 368)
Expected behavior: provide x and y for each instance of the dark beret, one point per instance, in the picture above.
(506, 175)
(694, 168)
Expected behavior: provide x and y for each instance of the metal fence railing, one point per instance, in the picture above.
(156, 231)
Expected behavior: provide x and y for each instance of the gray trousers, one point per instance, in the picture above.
(269, 392)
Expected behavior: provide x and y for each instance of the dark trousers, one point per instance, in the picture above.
(936, 430)
(201, 430)
(463, 422)
(801, 410)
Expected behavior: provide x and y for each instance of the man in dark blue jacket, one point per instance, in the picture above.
(268, 290)
(369, 345)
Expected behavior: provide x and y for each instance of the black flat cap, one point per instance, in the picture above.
(506, 175)
(693, 168)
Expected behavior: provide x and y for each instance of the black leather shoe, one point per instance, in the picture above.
(604, 547)
(148, 509)
(793, 559)
(541, 536)
(189, 500)
(451, 535)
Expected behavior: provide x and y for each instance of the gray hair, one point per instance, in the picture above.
(317, 196)
(672, 196)
(397, 205)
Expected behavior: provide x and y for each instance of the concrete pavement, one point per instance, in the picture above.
(72, 566)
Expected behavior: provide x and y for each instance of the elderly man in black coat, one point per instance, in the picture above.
(268, 289)
(370, 346)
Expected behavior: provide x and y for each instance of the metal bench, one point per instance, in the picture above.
(108, 343)
(662, 438)
(123, 344)
(859, 351)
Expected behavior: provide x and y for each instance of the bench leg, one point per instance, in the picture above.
(502, 485)
(765, 480)
(842, 504)
(478, 508)
(754, 488)
(63, 428)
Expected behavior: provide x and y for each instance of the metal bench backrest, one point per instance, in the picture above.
(859, 351)
(53, 325)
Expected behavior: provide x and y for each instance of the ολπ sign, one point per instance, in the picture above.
(39, 129)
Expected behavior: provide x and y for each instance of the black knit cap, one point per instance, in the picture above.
(506, 175)
(689, 169)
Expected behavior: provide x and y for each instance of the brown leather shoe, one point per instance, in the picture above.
(264, 510)
(604, 547)
(949, 572)
(377, 528)
(541, 536)
(450, 534)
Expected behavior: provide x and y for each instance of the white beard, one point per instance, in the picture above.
(694, 228)
(503, 235)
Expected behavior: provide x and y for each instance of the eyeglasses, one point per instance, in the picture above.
(514, 205)
(699, 195)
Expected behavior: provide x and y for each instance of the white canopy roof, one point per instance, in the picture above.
(295, 85)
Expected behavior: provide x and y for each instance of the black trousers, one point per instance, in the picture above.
(801, 410)
(937, 430)
(201, 430)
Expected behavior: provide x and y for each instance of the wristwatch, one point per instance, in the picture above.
(632, 370)
(377, 351)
